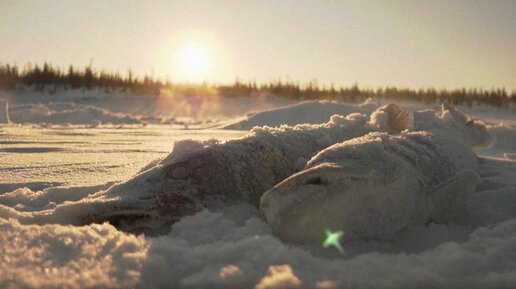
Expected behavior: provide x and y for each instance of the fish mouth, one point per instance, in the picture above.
(151, 216)
(118, 213)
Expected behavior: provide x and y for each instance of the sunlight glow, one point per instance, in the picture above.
(194, 62)
(193, 56)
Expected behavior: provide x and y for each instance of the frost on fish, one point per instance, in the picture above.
(212, 174)
(374, 186)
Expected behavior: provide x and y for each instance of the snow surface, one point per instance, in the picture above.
(311, 112)
(67, 113)
(32, 105)
(39, 157)
(4, 111)
(233, 247)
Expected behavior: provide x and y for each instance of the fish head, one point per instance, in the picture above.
(348, 198)
(155, 198)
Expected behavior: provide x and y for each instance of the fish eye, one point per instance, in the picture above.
(315, 181)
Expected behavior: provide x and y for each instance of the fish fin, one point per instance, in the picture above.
(390, 118)
(454, 113)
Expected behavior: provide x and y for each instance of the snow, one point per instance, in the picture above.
(39, 157)
(480, 258)
(67, 113)
(194, 254)
(24, 199)
(4, 111)
(51, 256)
(279, 276)
(117, 106)
(230, 246)
(311, 112)
(454, 124)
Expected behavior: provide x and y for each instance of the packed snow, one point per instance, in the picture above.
(40, 157)
(229, 246)
(98, 106)
(311, 112)
(67, 113)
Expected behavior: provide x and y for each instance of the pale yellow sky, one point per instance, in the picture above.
(374, 43)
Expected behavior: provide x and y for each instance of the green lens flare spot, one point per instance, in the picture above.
(333, 239)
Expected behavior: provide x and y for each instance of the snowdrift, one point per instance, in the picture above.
(67, 113)
(310, 112)
(163, 108)
(96, 256)
(235, 249)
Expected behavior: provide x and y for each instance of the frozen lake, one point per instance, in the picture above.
(50, 171)
(40, 157)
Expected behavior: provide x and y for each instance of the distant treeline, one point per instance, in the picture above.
(50, 78)
(42, 77)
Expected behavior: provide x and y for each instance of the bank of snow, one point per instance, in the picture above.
(167, 107)
(67, 113)
(52, 256)
(310, 112)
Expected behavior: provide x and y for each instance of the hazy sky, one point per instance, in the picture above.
(375, 43)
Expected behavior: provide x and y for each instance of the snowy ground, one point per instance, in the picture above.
(232, 248)
(38, 157)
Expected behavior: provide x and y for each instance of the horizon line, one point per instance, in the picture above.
(165, 80)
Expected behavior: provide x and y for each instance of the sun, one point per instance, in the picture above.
(193, 57)
(194, 62)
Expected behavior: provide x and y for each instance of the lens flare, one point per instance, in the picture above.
(333, 239)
